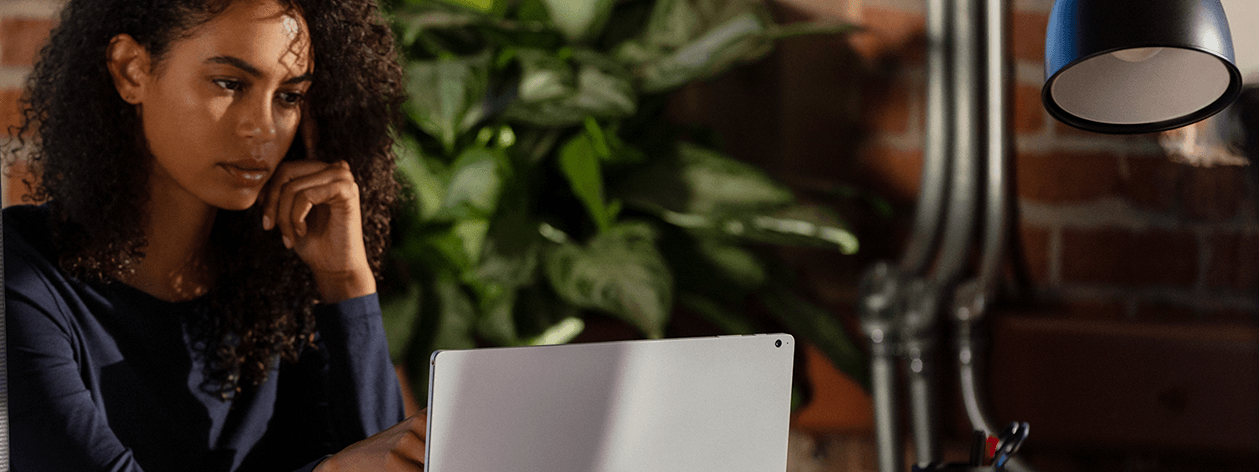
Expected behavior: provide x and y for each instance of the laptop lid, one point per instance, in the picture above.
(719, 404)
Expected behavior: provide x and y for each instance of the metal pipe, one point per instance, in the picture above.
(973, 299)
(933, 187)
(967, 111)
(886, 421)
(880, 319)
(921, 315)
(997, 72)
(969, 309)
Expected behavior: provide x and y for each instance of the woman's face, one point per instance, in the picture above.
(223, 105)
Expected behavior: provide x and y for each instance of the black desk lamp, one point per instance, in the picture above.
(1138, 66)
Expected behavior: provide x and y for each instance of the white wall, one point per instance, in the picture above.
(1243, 20)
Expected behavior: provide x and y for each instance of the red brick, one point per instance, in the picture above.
(892, 173)
(1214, 193)
(1152, 182)
(1198, 193)
(1028, 31)
(891, 32)
(14, 188)
(1067, 177)
(22, 38)
(885, 107)
(1234, 262)
(10, 110)
(1125, 258)
(1029, 115)
(1036, 252)
(838, 405)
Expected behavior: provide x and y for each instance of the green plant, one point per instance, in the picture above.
(548, 188)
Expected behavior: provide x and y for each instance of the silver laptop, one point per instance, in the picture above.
(718, 404)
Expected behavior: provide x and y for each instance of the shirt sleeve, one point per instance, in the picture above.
(56, 425)
(337, 393)
(364, 397)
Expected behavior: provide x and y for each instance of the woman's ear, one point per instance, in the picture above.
(129, 64)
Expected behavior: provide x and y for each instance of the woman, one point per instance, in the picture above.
(198, 292)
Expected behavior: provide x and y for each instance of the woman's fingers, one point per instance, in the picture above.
(334, 187)
(399, 448)
(315, 207)
(310, 133)
(298, 187)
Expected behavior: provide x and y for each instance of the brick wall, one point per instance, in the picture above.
(24, 26)
(1105, 220)
(1135, 347)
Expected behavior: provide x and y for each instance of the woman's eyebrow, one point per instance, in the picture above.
(251, 70)
(237, 63)
(299, 79)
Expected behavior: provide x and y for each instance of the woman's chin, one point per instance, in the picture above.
(239, 202)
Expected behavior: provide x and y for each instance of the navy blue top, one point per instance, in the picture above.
(102, 377)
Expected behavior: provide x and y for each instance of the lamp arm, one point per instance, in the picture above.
(970, 306)
(972, 300)
(933, 184)
(998, 150)
(967, 112)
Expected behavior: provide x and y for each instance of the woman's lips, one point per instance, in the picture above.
(247, 175)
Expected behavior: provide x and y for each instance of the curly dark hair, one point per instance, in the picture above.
(90, 164)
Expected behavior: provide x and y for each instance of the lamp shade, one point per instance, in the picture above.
(1138, 66)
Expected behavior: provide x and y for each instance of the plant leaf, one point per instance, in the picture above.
(426, 15)
(496, 323)
(803, 225)
(446, 322)
(620, 272)
(735, 263)
(691, 39)
(796, 225)
(603, 90)
(560, 333)
(580, 20)
(508, 262)
(703, 182)
(544, 76)
(716, 313)
(741, 39)
(399, 315)
(415, 169)
(579, 162)
(483, 6)
(445, 95)
(476, 181)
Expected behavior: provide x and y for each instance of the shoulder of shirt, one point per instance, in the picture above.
(29, 267)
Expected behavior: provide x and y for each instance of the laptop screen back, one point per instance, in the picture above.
(685, 405)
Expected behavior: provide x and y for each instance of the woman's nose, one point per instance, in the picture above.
(257, 123)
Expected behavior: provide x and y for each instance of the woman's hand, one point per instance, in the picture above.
(399, 448)
(315, 206)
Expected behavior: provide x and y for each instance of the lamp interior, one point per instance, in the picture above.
(1141, 85)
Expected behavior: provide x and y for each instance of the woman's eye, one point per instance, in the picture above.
(290, 98)
(226, 84)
